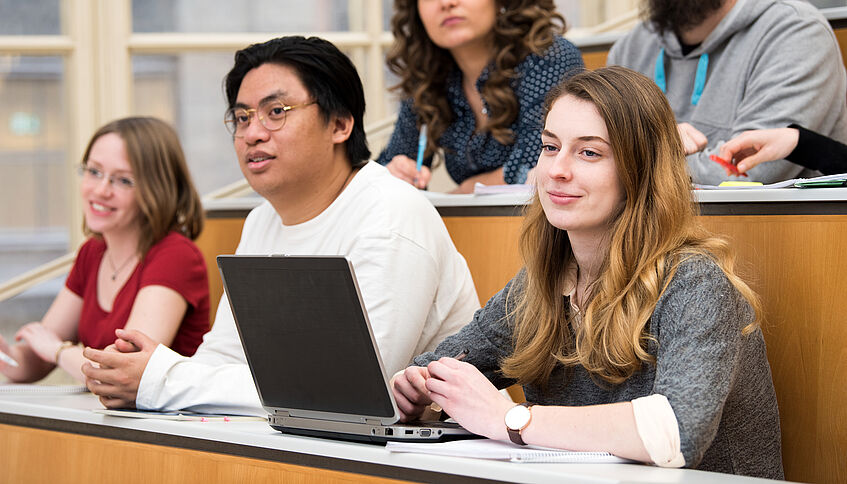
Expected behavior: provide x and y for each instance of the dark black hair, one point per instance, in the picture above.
(680, 15)
(326, 73)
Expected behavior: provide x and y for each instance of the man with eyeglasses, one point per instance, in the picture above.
(296, 110)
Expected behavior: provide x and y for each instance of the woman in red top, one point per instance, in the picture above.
(139, 269)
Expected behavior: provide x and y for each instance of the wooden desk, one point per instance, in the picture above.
(58, 439)
(792, 249)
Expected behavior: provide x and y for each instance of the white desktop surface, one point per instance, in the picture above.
(747, 195)
(723, 195)
(78, 408)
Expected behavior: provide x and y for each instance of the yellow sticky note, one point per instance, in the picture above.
(740, 184)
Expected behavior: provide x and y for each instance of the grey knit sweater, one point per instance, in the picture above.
(717, 380)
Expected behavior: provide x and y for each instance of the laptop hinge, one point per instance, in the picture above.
(373, 421)
(282, 413)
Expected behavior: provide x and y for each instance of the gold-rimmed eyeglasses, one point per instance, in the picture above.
(96, 175)
(271, 115)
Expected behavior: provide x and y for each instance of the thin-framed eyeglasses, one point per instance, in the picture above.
(271, 115)
(121, 182)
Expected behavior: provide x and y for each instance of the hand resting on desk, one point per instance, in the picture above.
(120, 368)
(460, 389)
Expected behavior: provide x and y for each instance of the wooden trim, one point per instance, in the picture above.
(36, 45)
(76, 458)
(179, 42)
(774, 208)
(219, 236)
(595, 60)
(43, 273)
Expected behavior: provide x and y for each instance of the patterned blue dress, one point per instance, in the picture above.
(467, 152)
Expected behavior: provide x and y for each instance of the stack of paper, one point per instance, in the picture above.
(795, 182)
(516, 189)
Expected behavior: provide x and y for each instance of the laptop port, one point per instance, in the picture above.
(389, 431)
(426, 432)
(409, 432)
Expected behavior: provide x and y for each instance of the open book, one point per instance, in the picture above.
(499, 450)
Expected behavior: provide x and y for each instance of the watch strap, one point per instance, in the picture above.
(515, 435)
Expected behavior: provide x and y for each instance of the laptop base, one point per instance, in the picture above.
(371, 438)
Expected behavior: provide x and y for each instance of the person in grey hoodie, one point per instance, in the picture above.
(728, 66)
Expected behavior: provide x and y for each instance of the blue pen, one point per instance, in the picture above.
(421, 148)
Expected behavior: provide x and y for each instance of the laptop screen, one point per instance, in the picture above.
(305, 334)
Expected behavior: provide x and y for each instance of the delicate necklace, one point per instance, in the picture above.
(116, 270)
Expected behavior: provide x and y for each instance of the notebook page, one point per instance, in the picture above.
(499, 450)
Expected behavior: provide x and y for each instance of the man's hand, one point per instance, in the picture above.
(119, 374)
(693, 140)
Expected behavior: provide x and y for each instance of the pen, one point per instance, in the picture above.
(421, 148)
(8, 360)
(726, 164)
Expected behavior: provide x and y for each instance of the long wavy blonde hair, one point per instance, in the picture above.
(655, 230)
(523, 27)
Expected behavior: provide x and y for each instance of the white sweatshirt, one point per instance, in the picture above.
(416, 287)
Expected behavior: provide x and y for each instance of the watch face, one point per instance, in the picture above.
(517, 417)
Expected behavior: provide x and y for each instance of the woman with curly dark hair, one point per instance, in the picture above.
(475, 73)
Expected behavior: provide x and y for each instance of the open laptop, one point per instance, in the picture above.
(312, 352)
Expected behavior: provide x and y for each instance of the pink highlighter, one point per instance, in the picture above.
(726, 164)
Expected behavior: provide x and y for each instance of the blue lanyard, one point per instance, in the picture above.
(699, 79)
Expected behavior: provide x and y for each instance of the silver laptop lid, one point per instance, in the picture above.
(307, 337)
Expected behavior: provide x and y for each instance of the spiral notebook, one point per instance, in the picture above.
(35, 389)
(181, 415)
(499, 450)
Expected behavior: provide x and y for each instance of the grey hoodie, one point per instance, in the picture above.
(770, 63)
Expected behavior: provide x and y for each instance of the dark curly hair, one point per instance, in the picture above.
(523, 27)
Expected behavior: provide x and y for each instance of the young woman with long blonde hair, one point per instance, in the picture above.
(628, 327)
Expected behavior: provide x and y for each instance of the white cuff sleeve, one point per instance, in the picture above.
(154, 377)
(658, 429)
